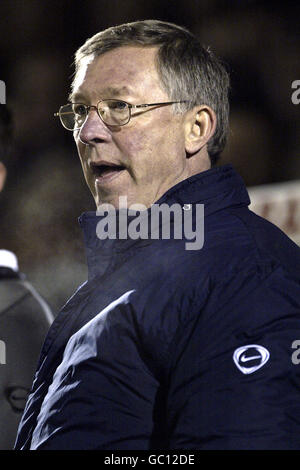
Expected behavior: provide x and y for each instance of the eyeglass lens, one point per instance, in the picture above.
(112, 112)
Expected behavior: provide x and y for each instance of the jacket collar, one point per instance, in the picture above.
(216, 188)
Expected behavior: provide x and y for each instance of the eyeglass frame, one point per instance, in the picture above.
(130, 107)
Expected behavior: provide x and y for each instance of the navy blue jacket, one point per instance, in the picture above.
(169, 348)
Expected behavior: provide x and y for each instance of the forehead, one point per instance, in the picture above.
(125, 70)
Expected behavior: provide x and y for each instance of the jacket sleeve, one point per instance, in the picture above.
(102, 395)
(234, 378)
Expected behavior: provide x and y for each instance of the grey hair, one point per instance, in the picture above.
(187, 70)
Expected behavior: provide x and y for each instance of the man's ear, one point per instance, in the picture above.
(2, 175)
(199, 127)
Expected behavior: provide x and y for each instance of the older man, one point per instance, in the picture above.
(166, 347)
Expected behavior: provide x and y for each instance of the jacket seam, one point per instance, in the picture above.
(259, 253)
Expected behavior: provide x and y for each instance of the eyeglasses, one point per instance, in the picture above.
(111, 112)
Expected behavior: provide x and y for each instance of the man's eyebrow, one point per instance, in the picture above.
(108, 92)
(113, 91)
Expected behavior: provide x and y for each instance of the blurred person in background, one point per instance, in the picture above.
(48, 203)
(24, 321)
(162, 347)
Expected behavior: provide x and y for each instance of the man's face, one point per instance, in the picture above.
(150, 149)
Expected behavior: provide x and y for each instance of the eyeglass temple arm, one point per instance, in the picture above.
(66, 112)
(155, 104)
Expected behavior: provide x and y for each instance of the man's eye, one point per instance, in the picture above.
(117, 105)
(79, 109)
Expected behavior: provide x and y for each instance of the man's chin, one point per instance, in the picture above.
(121, 201)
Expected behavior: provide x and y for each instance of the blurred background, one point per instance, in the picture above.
(45, 190)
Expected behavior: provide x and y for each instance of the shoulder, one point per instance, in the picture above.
(237, 239)
(241, 254)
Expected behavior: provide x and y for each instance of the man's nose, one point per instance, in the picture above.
(93, 129)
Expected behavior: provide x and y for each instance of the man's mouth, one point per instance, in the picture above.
(105, 171)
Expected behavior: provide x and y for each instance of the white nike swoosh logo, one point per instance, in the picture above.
(245, 359)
